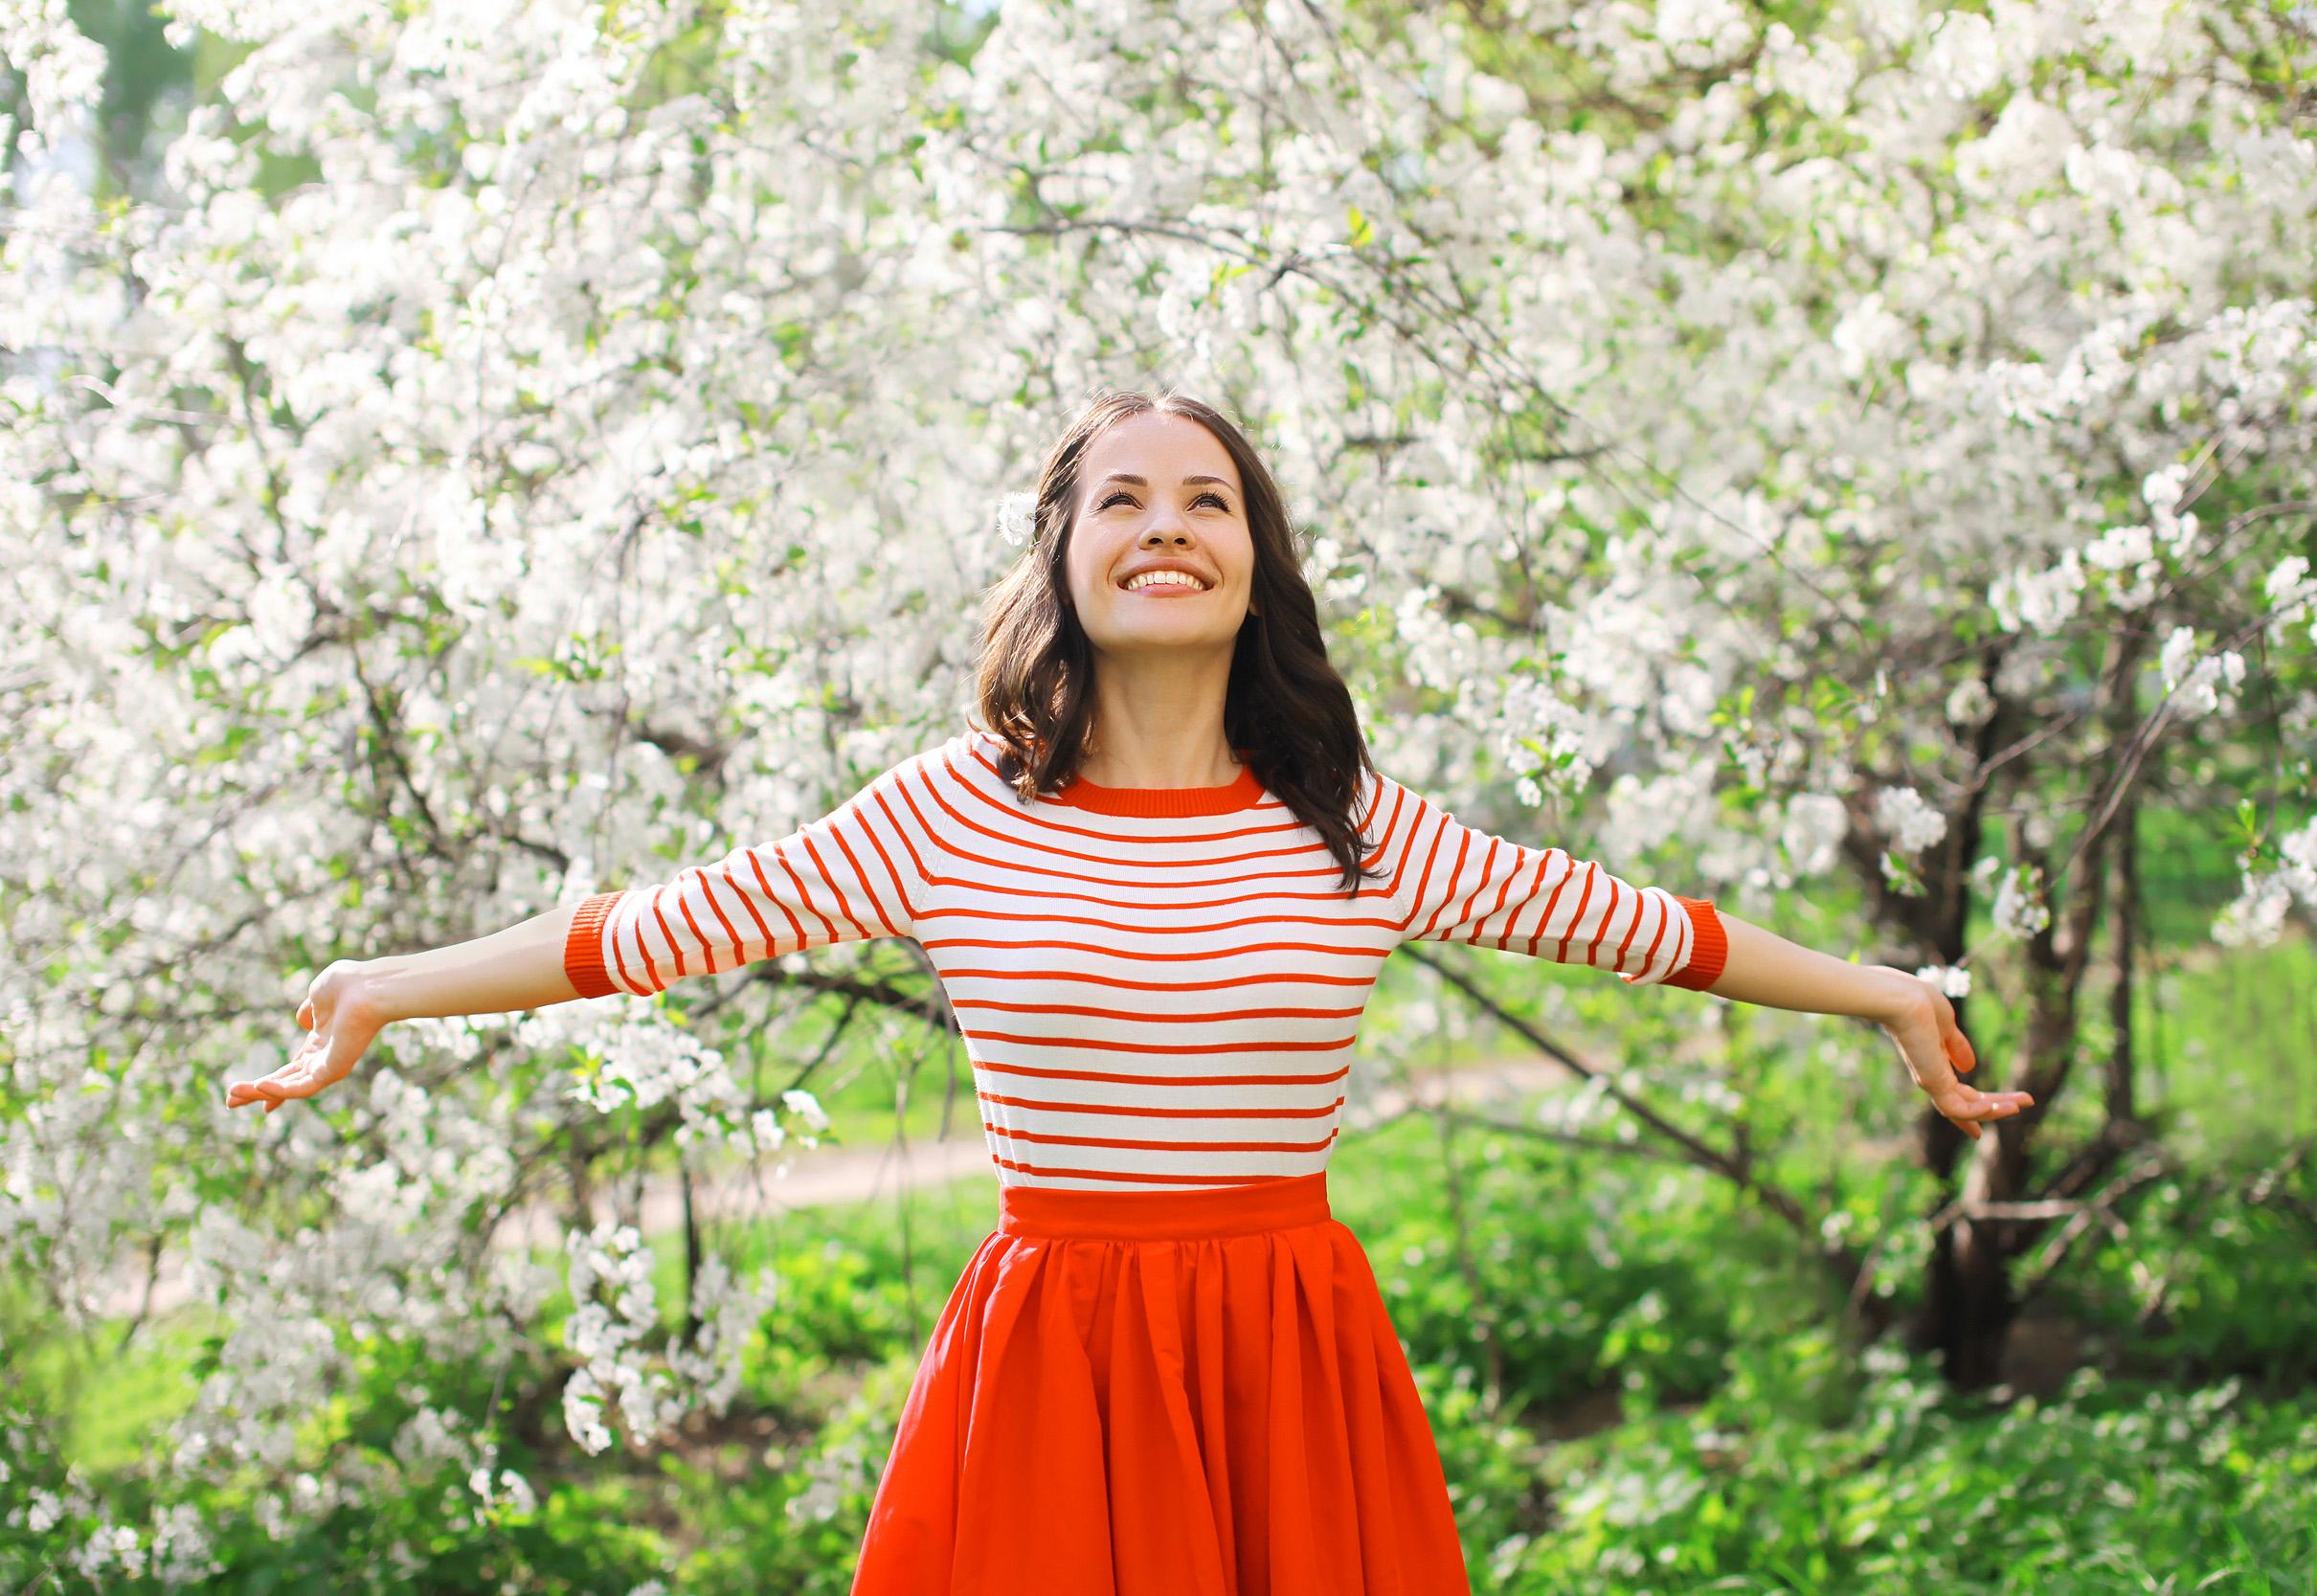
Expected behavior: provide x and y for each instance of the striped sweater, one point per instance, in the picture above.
(1158, 988)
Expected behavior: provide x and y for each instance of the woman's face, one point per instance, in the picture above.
(1181, 508)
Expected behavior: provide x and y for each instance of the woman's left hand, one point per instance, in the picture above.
(1922, 1021)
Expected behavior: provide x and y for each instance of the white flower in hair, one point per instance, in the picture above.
(1016, 517)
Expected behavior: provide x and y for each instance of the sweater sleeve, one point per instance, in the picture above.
(1450, 882)
(837, 879)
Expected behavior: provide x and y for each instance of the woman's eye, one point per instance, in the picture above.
(1216, 498)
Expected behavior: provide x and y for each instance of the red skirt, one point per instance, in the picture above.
(1194, 1393)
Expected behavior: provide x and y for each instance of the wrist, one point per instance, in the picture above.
(1898, 994)
(378, 990)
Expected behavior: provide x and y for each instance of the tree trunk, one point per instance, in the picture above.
(1969, 1308)
(691, 1255)
(1971, 1305)
(2125, 934)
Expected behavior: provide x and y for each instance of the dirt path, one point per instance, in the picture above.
(826, 1175)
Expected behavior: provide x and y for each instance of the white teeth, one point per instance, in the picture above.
(1175, 579)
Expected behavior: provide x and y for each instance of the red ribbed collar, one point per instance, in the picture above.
(1241, 793)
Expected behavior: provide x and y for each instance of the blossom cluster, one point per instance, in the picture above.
(613, 1331)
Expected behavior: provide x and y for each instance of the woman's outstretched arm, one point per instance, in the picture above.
(1454, 882)
(837, 879)
(1762, 967)
(352, 999)
(520, 966)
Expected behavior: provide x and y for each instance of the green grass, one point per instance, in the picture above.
(861, 1096)
(2229, 1044)
(112, 1400)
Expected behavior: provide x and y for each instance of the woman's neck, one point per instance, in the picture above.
(1160, 770)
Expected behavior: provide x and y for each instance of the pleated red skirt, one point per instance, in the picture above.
(1166, 1393)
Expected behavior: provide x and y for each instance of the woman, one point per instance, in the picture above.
(1158, 887)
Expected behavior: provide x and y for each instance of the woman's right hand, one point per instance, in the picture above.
(340, 1019)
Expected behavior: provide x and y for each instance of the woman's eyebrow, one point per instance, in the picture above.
(1141, 482)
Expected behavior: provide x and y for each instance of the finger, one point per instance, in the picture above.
(306, 1014)
(288, 1081)
(2002, 1106)
(265, 1084)
(298, 1057)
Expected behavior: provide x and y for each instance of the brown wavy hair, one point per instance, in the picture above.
(1285, 709)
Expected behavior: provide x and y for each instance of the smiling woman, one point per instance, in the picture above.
(1160, 580)
(1169, 1345)
(1090, 665)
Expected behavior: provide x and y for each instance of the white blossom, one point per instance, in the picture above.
(803, 1103)
(1961, 55)
(110, 1549)
(2118, 548)
(1953, 979)
(1911, 823)
(2256, 916)
(2020, 908)
(1815, 824)
(2292, 595)
(2039, 601)
(2202, 683)
(1015, 517)
(510, 1491)
(1970, 704)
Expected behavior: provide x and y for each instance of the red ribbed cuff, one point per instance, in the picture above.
(583, 948)
(1711, 950)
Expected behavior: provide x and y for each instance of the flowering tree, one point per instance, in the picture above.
(509, 453)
